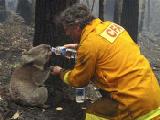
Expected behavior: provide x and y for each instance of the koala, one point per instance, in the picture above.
(27, 81)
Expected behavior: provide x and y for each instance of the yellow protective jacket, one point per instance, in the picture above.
(108, 56)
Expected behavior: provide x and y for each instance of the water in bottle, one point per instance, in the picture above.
(60, 50)
(80, 95)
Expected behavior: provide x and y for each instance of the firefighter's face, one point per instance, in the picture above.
(74, 32)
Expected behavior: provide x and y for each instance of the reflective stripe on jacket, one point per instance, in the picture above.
(152, 115)
(108, 56)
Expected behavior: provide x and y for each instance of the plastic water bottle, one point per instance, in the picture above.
(60, 50)
(80, 95)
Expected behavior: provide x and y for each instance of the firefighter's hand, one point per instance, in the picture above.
(72, 46)
(55, 70)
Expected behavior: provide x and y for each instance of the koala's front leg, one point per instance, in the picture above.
(39, 84)
(39, 77)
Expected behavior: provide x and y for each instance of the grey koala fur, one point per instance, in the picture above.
(27, 81)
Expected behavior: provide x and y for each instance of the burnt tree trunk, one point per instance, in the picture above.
(118, 11)
(141, 12)
(101, 9)
(2, 11)
(46, 28)
(49, 31)
(24, 8)
(129, 18)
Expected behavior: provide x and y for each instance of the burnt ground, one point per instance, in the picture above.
(16, 37)
(71, 111)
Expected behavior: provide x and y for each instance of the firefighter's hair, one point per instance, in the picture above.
(76, 14)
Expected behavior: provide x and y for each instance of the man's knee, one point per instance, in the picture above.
(103, 107)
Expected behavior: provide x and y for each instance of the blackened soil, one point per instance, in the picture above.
(71, 111)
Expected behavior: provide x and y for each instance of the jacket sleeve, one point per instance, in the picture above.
(84, 68)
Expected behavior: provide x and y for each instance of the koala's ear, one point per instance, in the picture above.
(27, 58)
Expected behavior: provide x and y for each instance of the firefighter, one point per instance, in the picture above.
(107, 56)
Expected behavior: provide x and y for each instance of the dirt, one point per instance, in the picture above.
(70, 111)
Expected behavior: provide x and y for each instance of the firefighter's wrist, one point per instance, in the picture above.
(64, 75)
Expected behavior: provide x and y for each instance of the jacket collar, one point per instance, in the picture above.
(89, 28)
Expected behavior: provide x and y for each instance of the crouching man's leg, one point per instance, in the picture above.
(102, 109)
